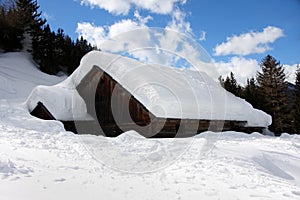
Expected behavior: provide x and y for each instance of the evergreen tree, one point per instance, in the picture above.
(45, 51)
(68, 47)
(21, 27)
(230, 84)
(251, 93)
(78, 51)
(296, 112)
(59, 43)
(29, 21)
(10, 33)
(272, 87)
(28, 15)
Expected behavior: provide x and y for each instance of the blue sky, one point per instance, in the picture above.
(236, 34)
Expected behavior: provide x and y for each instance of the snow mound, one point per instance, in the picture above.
(7, 167)
(274, 169)
(128, 135)
(166, 92)
(132, 141)
(60, 102)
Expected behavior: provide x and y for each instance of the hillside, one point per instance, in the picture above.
(19, 76)
(39, 160)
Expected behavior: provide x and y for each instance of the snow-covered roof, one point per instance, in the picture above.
(165, 91)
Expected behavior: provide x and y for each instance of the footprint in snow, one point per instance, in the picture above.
(296, 193)
(60, 180)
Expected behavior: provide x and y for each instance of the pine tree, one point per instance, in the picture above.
(272, 87)
(44, 53)
(80, 48)
(59, 42)
(28, 15)
(21, 27)
(29, 21)
(296, 112)
(251, 94)
(10, 33)
(230, 84)
(68, 46)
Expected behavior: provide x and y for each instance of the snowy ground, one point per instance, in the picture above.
(39, 160)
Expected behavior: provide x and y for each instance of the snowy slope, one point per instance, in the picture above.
(165, 91)
(39, 160)
(18, 76)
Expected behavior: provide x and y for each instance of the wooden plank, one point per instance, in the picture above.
(40, 111)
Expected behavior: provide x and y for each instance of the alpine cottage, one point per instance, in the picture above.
(109, 94)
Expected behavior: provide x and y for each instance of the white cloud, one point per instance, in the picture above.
(202, 36)
(122, 7)
(105, 37)
(116, 7)
(290, 71)
(48, 17)
(164, 46)
(183, 2)
(241, 67)
(160, 46)
(178, 22)
(96, 35)
(249, 43)
(123, 26)
(142, 20)
(93, 34)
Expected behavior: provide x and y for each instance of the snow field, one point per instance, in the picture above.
(40, 160)
(57, 165)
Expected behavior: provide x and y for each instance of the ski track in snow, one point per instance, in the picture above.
(39, 160)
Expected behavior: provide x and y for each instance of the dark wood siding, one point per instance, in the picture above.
(42, 112)
(110, 103)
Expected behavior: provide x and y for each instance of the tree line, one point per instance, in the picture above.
(269, 91)
(23, 28)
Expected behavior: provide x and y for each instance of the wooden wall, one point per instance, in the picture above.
(110, 103)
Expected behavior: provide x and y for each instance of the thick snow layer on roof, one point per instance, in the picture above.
(60, 101)
(165, 91)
